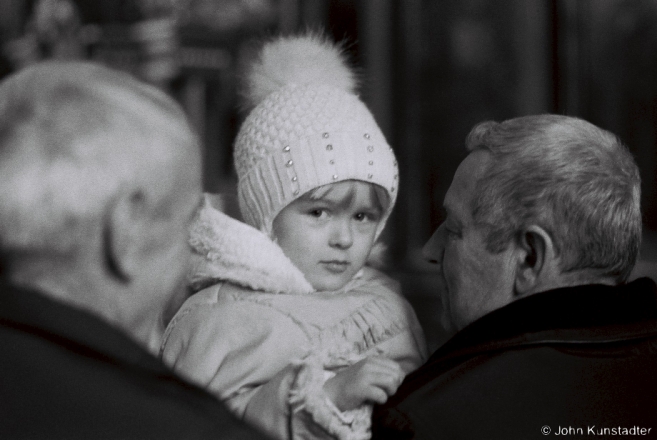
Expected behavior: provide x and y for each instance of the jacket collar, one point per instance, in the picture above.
(226, 249)
(571, 315)
(81, 331)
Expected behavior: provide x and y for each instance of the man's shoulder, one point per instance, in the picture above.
(66, 374)
(502, 370)
(514, 392)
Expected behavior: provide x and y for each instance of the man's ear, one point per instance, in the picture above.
(124, 229)
(536, 257)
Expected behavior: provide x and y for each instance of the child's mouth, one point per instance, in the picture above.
(336, 266)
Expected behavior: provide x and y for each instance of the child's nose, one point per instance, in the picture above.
(342, 236)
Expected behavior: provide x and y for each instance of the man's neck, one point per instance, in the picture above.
(572, 279)
(85, 287)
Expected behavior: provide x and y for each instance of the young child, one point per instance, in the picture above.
(291, 328)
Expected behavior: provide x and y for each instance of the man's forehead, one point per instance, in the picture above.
(468, 173)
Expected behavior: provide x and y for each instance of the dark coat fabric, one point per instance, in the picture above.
(65, 374)
(579, 362)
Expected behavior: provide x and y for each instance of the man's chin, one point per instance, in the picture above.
(447, 323)
(450, 328)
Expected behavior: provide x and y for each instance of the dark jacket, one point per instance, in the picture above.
(583, 358)
(65, 374)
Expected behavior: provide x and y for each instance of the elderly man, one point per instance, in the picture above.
(542, 231)
(99, 177)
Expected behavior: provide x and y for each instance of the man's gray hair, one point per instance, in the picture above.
(568, 176)
(72, 135)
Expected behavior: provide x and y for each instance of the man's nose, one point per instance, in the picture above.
(434, 248)
(341, 235)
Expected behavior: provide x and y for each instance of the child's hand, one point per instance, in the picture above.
(371, 380)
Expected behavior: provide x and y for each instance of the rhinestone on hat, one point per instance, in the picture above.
(331, 161)
(366, 135)
(325, 135)
(287, 148)
(371, 162)
(289, 163)
(335, 177)
(370, 148)
(329, 147)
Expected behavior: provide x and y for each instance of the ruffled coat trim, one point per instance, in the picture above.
(226, 249)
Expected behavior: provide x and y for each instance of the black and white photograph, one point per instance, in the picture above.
(328, 219)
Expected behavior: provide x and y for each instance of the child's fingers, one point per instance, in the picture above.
(372, 379)
(386, 381)
(385, 371)
(376, 395)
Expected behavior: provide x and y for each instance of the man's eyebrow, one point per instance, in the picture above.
(446, 211)
(448, 214)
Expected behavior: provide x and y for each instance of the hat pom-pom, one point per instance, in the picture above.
(305, 59)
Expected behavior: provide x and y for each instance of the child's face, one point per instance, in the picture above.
(330, 238)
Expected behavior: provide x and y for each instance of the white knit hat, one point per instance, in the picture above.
(307, 129)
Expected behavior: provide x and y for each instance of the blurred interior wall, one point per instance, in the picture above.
(430, 70)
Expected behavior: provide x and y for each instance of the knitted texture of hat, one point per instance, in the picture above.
(305, 133)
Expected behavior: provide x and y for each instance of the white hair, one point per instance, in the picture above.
(72, 135)
(570, 177)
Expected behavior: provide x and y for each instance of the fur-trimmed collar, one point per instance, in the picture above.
(226, 249)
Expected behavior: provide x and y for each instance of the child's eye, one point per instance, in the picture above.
(317, 213)
(365, 216)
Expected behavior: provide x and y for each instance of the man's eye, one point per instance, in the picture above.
(318, 213)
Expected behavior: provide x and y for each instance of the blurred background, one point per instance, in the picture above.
(430, 69)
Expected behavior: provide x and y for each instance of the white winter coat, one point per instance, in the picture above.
(264, 343)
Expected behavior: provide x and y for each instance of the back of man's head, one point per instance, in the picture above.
(573, 179)
(71, 134)
(97, 173)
